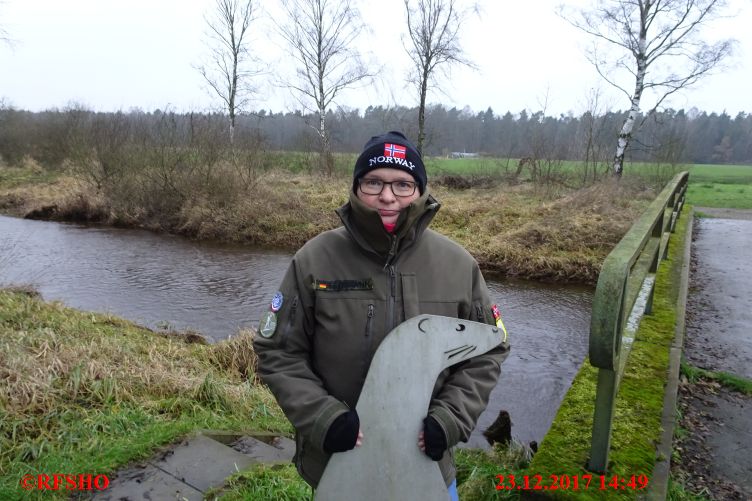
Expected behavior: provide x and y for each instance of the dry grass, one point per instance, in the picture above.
(236, 356)
(512, 230)
(20, 200)
(59, 365)
(78, 357)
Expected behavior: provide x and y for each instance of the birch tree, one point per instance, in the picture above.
(229, 71)
(658, 49)
(321, 36)
(433, 28)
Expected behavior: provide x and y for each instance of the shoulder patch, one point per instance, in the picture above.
(497, 318)
(268, 324)
(365, 284)
(277, 301)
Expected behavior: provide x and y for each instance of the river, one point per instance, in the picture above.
(163, 281)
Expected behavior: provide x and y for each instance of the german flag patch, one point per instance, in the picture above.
(497, 318)
(365, 284)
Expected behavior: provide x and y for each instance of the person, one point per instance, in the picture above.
(347, 288)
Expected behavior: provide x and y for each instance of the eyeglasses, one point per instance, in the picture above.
(371, 186)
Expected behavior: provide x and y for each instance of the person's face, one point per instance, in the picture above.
(387, 203)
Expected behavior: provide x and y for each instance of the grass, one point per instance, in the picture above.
(721, 174)
(724, 186)
(535, 231)
(469, 166)
(677, 492)
(514, 230)
(720, 195)
(741, 174)
(477, 470)
(279, 482)
(29, 173)
(476, 477)
(731, 381)
(92, 392)
(89, 393)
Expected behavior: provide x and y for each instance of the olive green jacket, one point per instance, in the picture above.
(343, 292)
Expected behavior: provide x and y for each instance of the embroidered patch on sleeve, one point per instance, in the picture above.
(497, 318)
(268, 324)
(277, 302)
(365, 284)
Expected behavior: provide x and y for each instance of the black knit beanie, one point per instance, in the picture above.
(394, 151)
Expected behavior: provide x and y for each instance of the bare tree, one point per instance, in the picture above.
(659, 49)
(433, 30)
(591, 145)
(4, 37)
(229, 71)
(321, 35)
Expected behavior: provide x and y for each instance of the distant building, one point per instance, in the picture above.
(463, 154)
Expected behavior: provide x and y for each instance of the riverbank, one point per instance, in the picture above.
(514, 230)
(86, 393)
(83, 393)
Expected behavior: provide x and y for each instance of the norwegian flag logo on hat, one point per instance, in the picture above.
(394, 150)
(391, 150)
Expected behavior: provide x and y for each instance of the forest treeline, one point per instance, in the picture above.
(669, 136)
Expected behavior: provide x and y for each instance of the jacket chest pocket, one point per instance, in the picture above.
(443, 308)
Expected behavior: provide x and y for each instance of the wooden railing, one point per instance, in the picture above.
(623, 294)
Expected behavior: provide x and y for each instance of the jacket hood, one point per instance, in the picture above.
(365, 226)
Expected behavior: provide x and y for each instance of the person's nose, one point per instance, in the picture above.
(387, 194)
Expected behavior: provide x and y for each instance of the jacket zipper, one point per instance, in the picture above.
(479, 313)
(369, 335)
(369, 321)
(391, 310)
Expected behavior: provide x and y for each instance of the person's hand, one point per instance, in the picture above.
(344, 433)
(432, 440)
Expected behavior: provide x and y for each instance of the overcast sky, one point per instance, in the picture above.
(110, 55)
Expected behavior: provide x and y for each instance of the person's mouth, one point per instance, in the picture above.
(387, 213)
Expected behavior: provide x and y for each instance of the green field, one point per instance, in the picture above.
(721, 195)
(721, 174)
(740, 174)
(725, 186)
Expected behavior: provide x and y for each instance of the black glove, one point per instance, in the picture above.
(434, 438)
(343, 433)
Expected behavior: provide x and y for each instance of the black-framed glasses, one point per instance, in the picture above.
(372, 186)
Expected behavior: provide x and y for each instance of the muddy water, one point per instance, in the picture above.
(165, 281)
